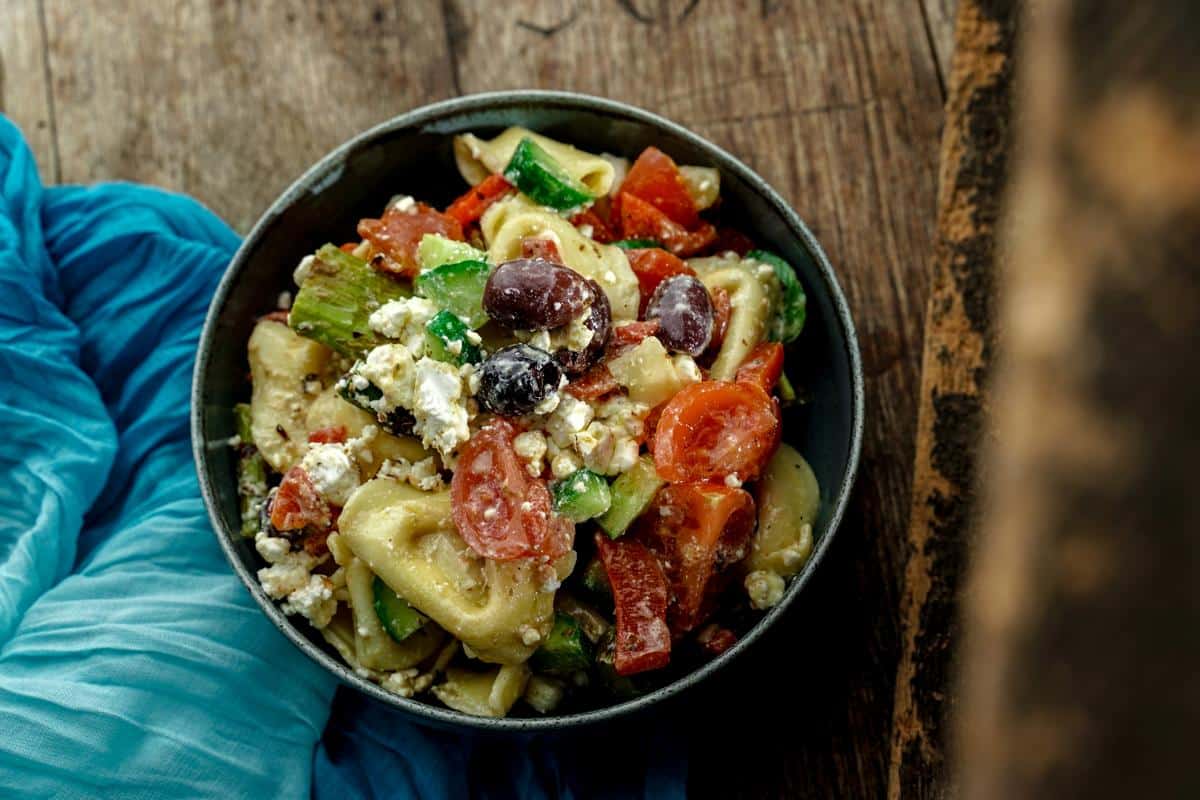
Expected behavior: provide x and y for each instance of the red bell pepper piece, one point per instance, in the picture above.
(600, 230)
(298, 504)
(470, 206)
(641, 220)
(656, 179)
(396, 236)
(640, 596)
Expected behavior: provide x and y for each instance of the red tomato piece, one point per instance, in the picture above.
(713, 429)
(763, 366)
(632, 333)
(722, 310)
(652, 266)
(396, 236)
(697, 530)
(640, 220)
(593, 384)
(656, 179)
(715, 640)
(600, 230)
(349, 247)
(335, 434)
(640, 596)
(471, 205)
(499, 510)
(298, 504)
(540, 247)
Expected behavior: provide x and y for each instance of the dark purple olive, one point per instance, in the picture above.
(534, 294)
(516, 378)
(599, 322)
(684, 312)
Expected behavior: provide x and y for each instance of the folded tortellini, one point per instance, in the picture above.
(751, 301)
(788, 501)
(500, 610)
(329, 409)
(478, 158)
(484, 694)
(507, 223)
(282, 366)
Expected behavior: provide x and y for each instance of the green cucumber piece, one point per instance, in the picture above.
(542, 179)
(398, 618)
(241, 418)
(435, 250)
(581, 495)
(446, 340)
(787, 393)
(565, 649)
(457, 288)
(632, 493)
(252, 488)
(637, 244)
(793, 305)
(334, 304)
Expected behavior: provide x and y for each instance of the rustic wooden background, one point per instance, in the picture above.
(838, 103)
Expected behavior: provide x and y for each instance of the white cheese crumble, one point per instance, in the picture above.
(530, 446)
(687, 369)
(332, 471)
(284, 301)
(314, 600)
(439, 406)
(733, 481)
(391, 368)
(303, 269)
(529, 634)
(404, 320)
(407, 682)
(402, 203)
(765, 589)
(422, 474)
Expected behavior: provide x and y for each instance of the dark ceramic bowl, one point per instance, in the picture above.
(413, 153)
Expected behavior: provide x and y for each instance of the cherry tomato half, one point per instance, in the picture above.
(298, 504)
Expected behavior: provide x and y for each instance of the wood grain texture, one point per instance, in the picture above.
(230, 101)
(1084, 611)
(939, 22)
(960, 336)
(24, 86)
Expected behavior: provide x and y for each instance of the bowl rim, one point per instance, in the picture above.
(327, 168)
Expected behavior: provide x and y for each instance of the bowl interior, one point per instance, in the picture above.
(412, 155)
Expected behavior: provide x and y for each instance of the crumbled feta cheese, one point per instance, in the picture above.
(405, 320)
(596, 444)
(733, 481)
(531, 447)
(529, 634)
(474, 338)
(587, 230)
(765, 589)
(490, 514)
(687, 369)
(547, 405)
(314, 601)
(272, 548)
(407, 682)
(332, 471)
(540, 340)
(439, 406)
(303, 270)
(564, 463)
(577, 335)
(610, 276)
(422, 474)
(402, 203)
(287, 574)
(625, 455)
(391, 368)
(284, 301)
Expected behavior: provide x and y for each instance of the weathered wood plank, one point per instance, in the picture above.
(24, 90)
(939, 22)
(231, 101)
(959, 343)
(840, 109)
(1084, 610)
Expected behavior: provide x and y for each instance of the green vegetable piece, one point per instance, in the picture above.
(581, 495)
(457, 288)
(595, 579)
(336, 299)
(637, 244)
(595, 625)
(252, 488)
(789, 319)
(446, 340)
(435, 250)
(241, 418)
(632, 493)
(787, 393)
(532, 170)
(565, 649)
(399, 619)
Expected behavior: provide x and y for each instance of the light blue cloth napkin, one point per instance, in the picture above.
(132, 662)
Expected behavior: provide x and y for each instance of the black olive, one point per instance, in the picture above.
(512, 381)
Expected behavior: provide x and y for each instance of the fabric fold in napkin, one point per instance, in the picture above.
(132, 661)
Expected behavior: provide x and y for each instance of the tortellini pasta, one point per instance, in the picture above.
(751, 302)
(703, 184)
(788, 502)
(484, 694)
(282, 364)
(499, 609)
(507, 223)
(330, 410)
(373, 647)
(477, 158)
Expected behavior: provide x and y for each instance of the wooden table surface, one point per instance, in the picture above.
(837, 103)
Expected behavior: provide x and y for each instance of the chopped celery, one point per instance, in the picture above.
(398, 618)
(337, 298)
(637, 244)
(787, 394)
(789, 318)
(447, 338)
(435, 250)
(252, 488)
(565, 649)
(542, 179)
(457, 288)
(632, 492)
(241, 416)
(581, 495)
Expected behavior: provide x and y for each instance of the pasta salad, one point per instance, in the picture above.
(522, 455)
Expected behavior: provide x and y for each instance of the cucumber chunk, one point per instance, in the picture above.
(398, 618)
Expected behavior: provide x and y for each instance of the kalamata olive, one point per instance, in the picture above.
(599, 322)
(684, 312)
(534, 294)
(516, 378)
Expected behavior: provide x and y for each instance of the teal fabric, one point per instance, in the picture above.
(132, 662)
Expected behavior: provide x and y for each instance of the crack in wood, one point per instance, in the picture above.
(549, 30)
